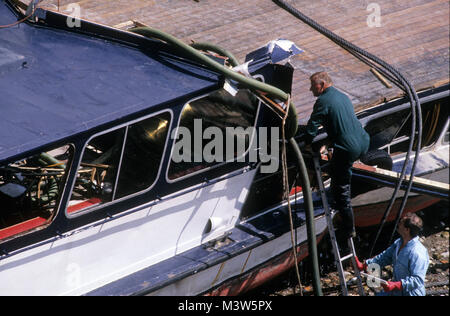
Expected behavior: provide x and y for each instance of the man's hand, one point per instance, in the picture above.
(391, 286)
(361, 266)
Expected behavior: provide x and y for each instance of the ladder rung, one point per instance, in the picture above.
(347, 257)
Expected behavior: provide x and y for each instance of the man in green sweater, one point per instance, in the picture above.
(334, 111)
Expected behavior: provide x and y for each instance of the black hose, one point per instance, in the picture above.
(408, 189)
(399, 80)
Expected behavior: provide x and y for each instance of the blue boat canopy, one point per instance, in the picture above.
(55, 83)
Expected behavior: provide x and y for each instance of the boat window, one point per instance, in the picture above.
(142, 154)
(97, 172)
(120, 163)
(213, 129)
(434, 117)
(30, 189)
(384, 130)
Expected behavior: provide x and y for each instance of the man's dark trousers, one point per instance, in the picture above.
(341, 175)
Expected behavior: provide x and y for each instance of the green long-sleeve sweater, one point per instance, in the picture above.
(334, 111)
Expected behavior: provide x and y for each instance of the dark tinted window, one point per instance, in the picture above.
(142, 155)
(205, 120)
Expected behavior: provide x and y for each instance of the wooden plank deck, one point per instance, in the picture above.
(413, 36)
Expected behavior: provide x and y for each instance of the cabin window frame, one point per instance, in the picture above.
(219, 164)
(64, 184)
(93, 208)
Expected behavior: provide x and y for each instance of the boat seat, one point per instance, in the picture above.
(12, 190)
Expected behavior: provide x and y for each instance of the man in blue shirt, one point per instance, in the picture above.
(334, 111)
(408, 257)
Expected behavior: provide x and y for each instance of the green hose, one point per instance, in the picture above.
(49, 160)
(52, 193)
(309, 212)
(291, 122)
(216, 49)
(52, 185)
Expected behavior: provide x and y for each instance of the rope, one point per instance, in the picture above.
(21, 20)
(286, 195)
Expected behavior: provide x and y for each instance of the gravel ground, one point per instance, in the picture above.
(435, 236)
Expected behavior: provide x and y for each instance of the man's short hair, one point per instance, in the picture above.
(414, 223)
(321, 76)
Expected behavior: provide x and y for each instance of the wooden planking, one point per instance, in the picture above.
(414, 36)
(439, 188)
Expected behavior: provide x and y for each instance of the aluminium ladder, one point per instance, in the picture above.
(338, 258)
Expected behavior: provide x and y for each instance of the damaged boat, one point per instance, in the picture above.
(96, 196)
(102, 191)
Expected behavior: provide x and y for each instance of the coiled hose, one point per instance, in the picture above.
(398, 79)
(290, 123)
